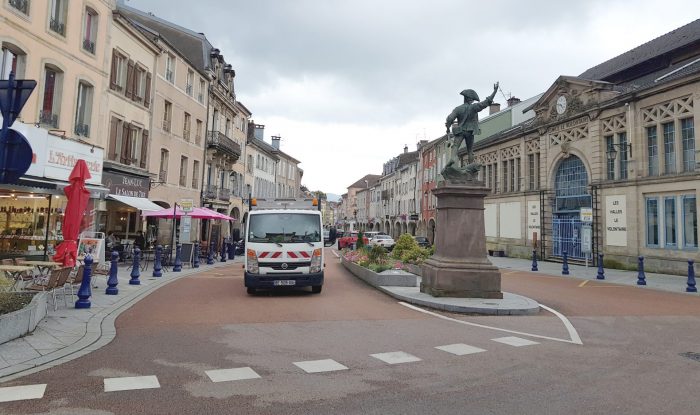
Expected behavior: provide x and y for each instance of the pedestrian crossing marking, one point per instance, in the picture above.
(394, 358)
(318, 366)
(227, 375)
(460, 349)
(22, 393)
(131, 383)
(515, 341)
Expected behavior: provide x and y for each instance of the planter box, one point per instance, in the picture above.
(20, 322)
(397, 278)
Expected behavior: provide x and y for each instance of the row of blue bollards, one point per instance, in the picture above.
(85, 291)
(641, 276)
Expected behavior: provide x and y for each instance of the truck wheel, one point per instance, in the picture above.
(251, 290)
(316, 289)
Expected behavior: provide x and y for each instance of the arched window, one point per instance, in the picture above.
(83, 110)
(12, 59)
(51, 98)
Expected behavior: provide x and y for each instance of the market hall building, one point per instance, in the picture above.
(606, 162)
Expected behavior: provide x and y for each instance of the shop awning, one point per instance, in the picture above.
(140, 203)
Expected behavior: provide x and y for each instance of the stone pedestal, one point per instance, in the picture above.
(459, 267)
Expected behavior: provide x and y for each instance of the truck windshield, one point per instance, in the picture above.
(284, 227)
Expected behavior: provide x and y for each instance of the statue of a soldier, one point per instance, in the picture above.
(467, 122)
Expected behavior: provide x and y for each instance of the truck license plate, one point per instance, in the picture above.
(284, 282)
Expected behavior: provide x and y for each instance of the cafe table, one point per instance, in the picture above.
(15, 272)
(43, 266)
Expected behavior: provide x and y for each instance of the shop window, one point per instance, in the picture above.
(89, 30)
(688, 139)
(652, 222)
(670, 222)
(690, 222)
(669, 148)
(653, 151)
(83, 111)
(57, 16)
(51, 99)
(12, 59)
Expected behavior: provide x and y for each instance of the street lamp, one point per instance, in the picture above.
(612, 153)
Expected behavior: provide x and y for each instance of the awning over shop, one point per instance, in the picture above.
(140, 203)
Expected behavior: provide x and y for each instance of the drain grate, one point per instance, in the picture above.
(691, 356)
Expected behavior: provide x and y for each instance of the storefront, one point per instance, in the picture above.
(32, 210)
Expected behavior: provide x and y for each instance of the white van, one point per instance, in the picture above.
(284, 245)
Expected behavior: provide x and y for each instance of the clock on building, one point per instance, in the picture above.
(561, 104)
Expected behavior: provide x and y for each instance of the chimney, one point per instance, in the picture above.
(494, 108)
(275, 142)
(512, 101)
(258, 130)
(405, 149)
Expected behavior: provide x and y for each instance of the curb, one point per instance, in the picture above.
(100, 331)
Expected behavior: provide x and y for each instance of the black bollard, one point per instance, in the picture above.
(195, 260)
(534, 260)
(177, 266)
(691, 277)
(565, 265)
(210, 256)
(85, 291)
(641, 277)
(157, 262)
(112, 282)
(136, 268)
(601, 271)
(231, 250)
(223, 251)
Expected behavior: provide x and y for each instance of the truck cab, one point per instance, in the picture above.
(284, 245)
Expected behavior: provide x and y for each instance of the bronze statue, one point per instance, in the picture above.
(467, 123)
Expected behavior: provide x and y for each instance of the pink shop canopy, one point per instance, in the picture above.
(197, 213)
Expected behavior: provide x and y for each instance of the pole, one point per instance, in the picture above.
(172, 246)
(46, 237)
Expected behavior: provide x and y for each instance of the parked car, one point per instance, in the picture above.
(348, 241)
(383, 240)
(422, 241)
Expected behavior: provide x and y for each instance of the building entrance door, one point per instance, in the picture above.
(571, 194)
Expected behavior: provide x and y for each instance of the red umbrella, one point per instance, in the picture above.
(78, 197)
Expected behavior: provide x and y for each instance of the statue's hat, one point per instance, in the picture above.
(470, 93)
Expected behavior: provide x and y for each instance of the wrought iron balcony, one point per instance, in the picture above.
(89, 45)
(224, 194)
(163, 176)
(82, 130)
(169, 75)
(210, 192)
(188, 89)
(48, 119)
(57, 27)
(220, 142)
(21, 5)
(186, 135)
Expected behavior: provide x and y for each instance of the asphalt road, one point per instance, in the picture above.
(631, 360)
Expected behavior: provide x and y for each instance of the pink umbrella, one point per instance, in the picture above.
(78, 196)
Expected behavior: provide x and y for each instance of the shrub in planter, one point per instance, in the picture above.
(415, 255)
(378, 254)
(405, 243)
(360, 240)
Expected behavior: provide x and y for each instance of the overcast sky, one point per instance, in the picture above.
(347, 84)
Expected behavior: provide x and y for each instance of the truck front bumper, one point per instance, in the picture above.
(268, 280)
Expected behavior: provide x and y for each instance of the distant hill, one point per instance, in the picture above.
(332, 197)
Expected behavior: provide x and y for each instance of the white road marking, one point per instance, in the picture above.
(318, 366)
(460, 349)
(515, 341)
(131, 383)
(575, 339)
(22, 393)
(396, 357)
(227, 375)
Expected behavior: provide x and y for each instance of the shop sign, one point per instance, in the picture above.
(616, 220)
(533, 218)
(586, 215)
(126, 185)
(187, 205)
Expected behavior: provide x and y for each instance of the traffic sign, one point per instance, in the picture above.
(15, 156)
(187, 205)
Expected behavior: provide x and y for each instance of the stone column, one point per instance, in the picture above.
(459, 267)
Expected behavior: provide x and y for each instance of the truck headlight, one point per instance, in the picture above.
(315, 262)
(252, 262)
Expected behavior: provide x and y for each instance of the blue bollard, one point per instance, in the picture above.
(177, 266)
(85, 291)
(210, 256)
(641, 277)
(565, 265)
(534, 260)
(158, 262)
(223, 251)
(231, 250)
(112, 282)
(136, 268)
(195, 260)
(601, 271)
(691, 278)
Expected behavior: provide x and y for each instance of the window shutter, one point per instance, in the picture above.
(130, 79)
(126, 144)
(147, 94)
(144, 148)
(112, 152)
(113, 75)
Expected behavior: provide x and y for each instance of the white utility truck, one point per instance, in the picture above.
(284, 244)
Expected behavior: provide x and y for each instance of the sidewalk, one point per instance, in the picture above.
(663, 282)
(69, 333)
